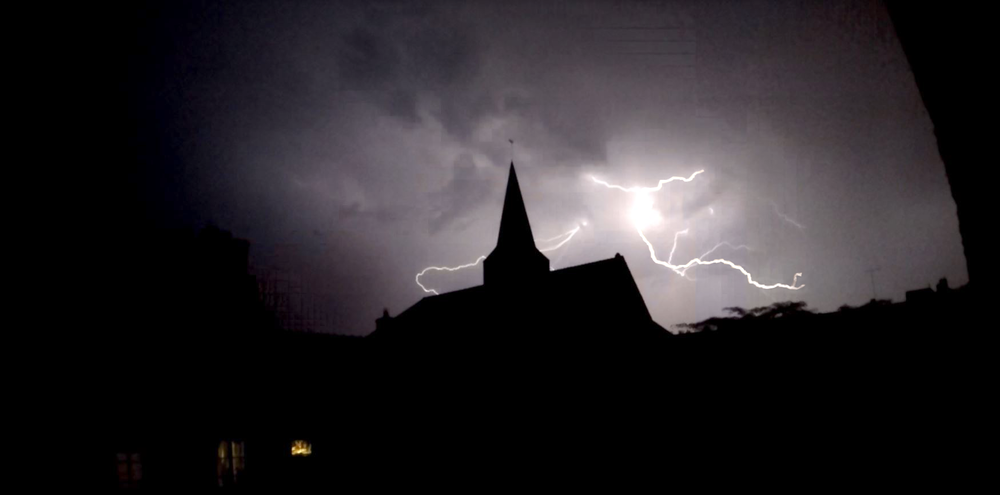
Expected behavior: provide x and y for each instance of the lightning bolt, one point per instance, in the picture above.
(786, 217)
(670, 258)
(659, 185)
(647, 215)
(680, 269)
(565, 236)
(703, 256)
(723, 243)
(568, 235)
(717, 246)
(445, 269)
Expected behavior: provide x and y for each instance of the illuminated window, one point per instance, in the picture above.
(230, 463)
(129, 470)
(301, 448)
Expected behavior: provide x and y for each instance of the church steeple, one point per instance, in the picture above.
(515, 230)
(515, 260)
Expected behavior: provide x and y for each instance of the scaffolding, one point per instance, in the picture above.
(290, 296)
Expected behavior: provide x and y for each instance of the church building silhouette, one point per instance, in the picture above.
(522, 299)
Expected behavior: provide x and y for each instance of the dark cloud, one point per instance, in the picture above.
(467, 190)
(403, 105)
(386, 126)
(368, 61)
(355, 211)
(433, 55)
(410, 53)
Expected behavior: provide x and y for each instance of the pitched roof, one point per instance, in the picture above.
(522, 296)
(603, 281)
(599, 294)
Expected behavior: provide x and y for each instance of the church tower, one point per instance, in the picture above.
(515, 261)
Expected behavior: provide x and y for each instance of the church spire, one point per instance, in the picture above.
(515, 230)
(515, 259)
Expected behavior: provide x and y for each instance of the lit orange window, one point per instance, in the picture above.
(230, 463)
(301, 448)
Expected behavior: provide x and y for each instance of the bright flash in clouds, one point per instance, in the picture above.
(644, 215)
(657, 187)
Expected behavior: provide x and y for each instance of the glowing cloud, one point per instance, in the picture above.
(643, 215)
(659, 185)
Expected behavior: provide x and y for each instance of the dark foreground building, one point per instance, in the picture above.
(522, 299)
(541, 377)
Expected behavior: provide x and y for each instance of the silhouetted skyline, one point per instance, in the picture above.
(524, 299)
(355, 145)
(310, 264)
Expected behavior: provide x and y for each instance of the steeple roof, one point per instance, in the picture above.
(515, 261)
(515, 231)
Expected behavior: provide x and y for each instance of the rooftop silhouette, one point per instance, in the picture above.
(515, 260)
(521, 297)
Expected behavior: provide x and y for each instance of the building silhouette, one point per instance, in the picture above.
(202, 387)
(523, 300)
(213, 393)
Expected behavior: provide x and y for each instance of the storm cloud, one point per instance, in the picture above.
(374, 138)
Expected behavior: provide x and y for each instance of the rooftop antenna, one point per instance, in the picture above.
(871, 273)
(511, 141)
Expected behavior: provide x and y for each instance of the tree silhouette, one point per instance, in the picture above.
(736, 310)
(782, 310)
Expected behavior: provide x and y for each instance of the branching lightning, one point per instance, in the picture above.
(680, 269)
(446, 269)
(730, 246)
(644, 214)
(568, 235)
(565, 236)
(659, 185)
(710, 251)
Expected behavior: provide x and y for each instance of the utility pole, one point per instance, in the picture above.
(871, 273)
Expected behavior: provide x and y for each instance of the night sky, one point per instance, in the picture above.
(356, 144)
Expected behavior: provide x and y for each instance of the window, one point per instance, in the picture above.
(129, 469)
(301, 448)
(231, 462)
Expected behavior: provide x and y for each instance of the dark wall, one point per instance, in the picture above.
(952, 61)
